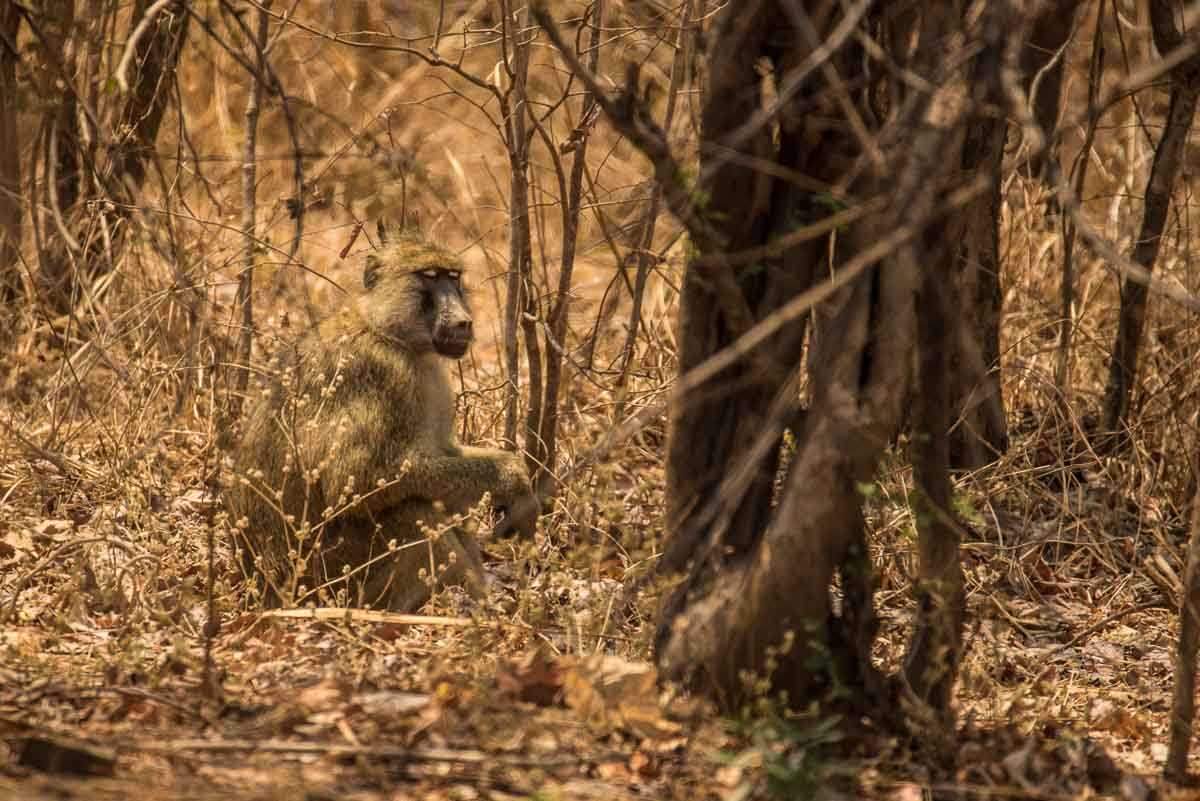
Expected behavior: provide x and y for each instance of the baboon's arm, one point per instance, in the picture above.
(457, 481)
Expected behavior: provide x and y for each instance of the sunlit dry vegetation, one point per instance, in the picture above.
(186, 189)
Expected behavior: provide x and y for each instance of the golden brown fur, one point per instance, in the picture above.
(366, 400)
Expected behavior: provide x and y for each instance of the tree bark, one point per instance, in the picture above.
(979, 432)
(11, 206)
(717, 425)
(70, 175)
(61, 149)
(520, 253)
(933, 654)
(245, 288)
(769, 612)
(1183, 700)
(1050, 32)
(157, 57)
(1078, 177)
(758, 598)
(1185, 89)
(743, 606)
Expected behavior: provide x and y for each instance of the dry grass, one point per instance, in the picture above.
(108, 458)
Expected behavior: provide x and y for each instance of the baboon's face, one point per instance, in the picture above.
(444, 308)
(424, 309)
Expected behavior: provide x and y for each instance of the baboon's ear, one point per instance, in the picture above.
(371, 271)
(381, 229)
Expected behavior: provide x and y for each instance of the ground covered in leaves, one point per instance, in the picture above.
(114, 684)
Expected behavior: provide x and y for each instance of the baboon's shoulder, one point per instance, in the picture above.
(343, 344)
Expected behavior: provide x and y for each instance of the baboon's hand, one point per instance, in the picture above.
(518, 502)
(520, 517)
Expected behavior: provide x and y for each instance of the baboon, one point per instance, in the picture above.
(350, 457)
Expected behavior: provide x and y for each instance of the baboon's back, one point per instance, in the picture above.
(346, 405)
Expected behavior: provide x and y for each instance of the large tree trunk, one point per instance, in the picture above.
(769, 611)
(759, 598)
(720, 422)
(719, 425)
(1185, 88)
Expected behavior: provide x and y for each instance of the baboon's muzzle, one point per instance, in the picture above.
(452, 328)
(452, 337)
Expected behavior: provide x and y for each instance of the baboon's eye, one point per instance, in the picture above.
(454, 275)
(432, 274)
